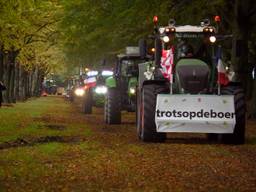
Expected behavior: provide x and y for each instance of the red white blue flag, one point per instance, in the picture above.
(167, 64)
(222, 75)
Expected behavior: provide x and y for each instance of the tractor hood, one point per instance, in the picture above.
(111, 82)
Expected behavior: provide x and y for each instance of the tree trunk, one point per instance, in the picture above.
(10, 76)
(22, 84)
(30, 83)
(1, 64)
(12, 84)
(36, 82)
(27, 85)
(17, 76)
(5, 76)
(240, 44)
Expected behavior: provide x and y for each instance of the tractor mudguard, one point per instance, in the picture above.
(111, 82)
(142, 69)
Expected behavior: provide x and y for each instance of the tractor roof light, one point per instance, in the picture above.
(170, 30)
(209, 30)
(166, 39)
(217, 19)
(155, 19)
(107, 73)
(173, 29)
(212, 39)
(92, 73)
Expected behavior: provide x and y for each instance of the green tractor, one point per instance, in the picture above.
(185, 88)
(121, 94)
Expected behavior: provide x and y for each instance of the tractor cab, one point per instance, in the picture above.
(127, 73)
(127, 66)
(121, 86)
(189, 49)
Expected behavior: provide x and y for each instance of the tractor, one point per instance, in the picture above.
(121, 94)
(95, 89)
(185, 89)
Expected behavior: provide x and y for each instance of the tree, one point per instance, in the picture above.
(27, 30)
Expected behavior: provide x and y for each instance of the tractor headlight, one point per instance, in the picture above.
(79, 92)
(132, 90)
(101, 89)
(212, 39)
(166, 39)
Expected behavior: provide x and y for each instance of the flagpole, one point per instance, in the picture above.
(218, 87)
(219, 57)
(171, 75)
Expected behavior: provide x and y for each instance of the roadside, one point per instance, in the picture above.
(48, 145)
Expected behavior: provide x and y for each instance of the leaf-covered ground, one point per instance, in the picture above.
(47, 144)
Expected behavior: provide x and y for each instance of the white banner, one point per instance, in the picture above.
(195, 113)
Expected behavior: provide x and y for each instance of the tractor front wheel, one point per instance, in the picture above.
(238, 136)
(147, 127)
(88, 102)
(112, 112)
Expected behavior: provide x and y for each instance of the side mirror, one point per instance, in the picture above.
(158, 51)
(143, 48)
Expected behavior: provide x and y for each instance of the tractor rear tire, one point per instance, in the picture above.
(106, 110)
(147, 127)
(238, 136)
(88, 102)
(113, 107)
(138, 112)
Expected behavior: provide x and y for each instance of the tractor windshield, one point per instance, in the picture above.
(193, 48)
(129, 67)
(189, 41)
(196, 47)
